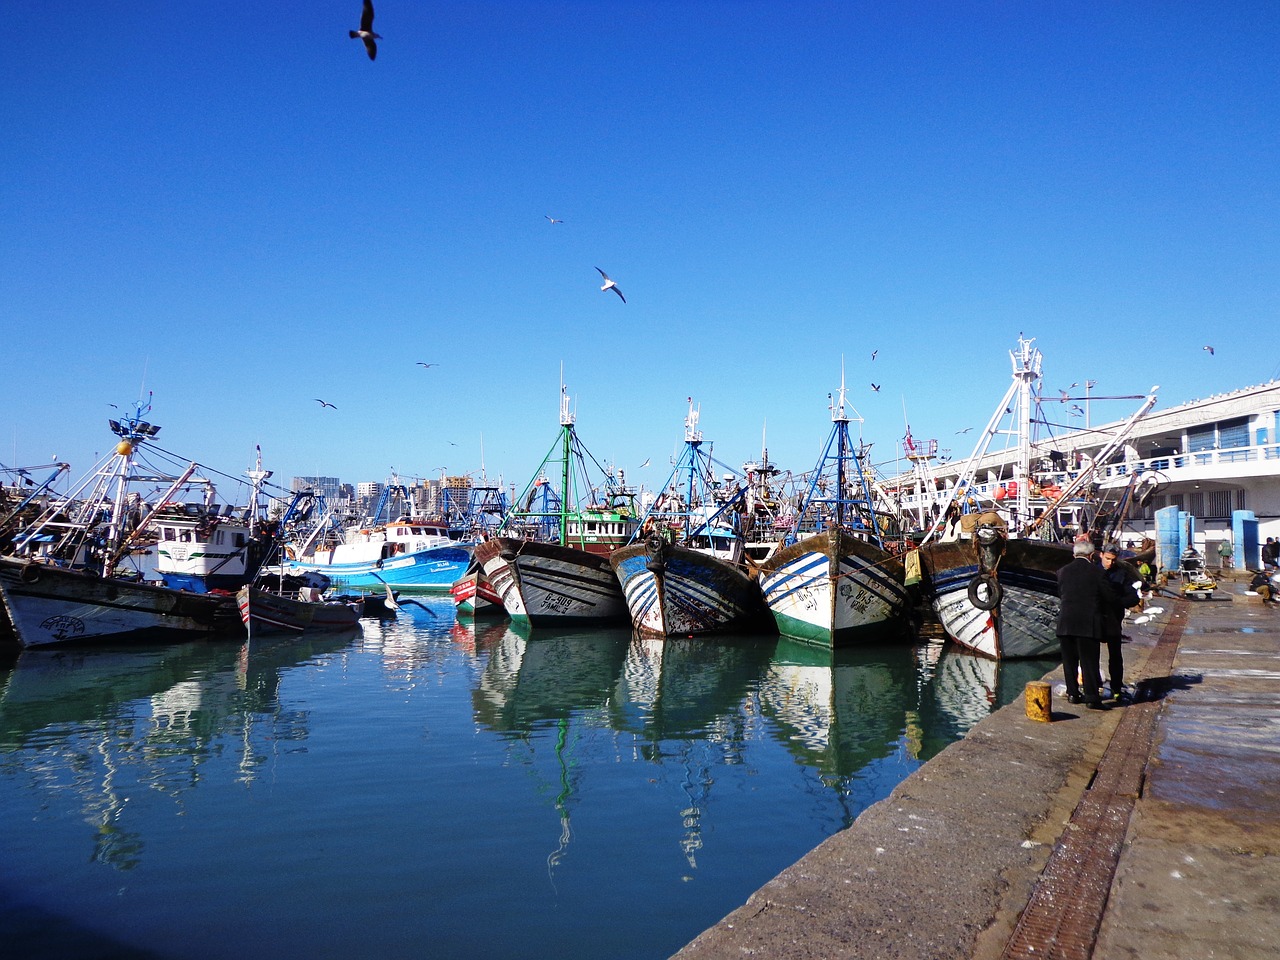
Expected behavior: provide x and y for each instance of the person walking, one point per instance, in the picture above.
(1082, 591)
(1120, 596)
(1225, 552)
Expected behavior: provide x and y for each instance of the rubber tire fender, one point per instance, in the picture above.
(989, 598)
(30, 573)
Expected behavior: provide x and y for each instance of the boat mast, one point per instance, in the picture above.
(693, 440)
(256, 477)
(566, 441)
(1026, 373)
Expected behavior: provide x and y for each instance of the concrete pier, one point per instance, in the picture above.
(1146, 831)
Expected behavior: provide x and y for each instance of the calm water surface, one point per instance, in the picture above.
(428, 788)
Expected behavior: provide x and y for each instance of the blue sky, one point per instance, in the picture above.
(243, 215)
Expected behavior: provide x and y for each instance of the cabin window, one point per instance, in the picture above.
(239, 539)
(187, 536)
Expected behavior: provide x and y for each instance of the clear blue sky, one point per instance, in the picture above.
(231, 206)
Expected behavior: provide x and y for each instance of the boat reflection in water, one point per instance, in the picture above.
(357, 772)
(98, 722)
(864, 717)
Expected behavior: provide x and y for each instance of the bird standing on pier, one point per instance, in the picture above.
(610, 285)
(365, 32)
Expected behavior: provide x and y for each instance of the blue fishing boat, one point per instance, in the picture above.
(410, 555)
(686, 573)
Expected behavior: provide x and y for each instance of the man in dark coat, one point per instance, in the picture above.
(1082, 590)
(1120, 596)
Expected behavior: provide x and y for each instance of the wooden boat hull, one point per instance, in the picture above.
(673, 591)
(835, 589)
(474, 596)
(545, 583)
(264, 612)
(1023, 623)
(50, 605)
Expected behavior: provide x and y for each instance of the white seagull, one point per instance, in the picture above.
(610, 285)
(324, 403)
(365, 32)
(422, 364)
(1210, 349)
(551, 218)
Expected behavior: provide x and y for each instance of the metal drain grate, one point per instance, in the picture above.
(1065, 911)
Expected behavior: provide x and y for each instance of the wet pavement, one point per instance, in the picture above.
(1148, 831)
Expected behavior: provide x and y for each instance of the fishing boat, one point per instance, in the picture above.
(411, 555)
(473, 594)
(832, 582)
(686, 574)
(988, 564)
(202, 546)
(66, 579)
(549, 560)
(263, 611)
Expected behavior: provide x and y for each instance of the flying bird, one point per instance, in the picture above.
(965, 430)
(552, 219)
(610, 285)
(324, 403)
(1076, 411)
(873, 354)
(875, 387)
(1064, 396)
(1210, 349)
(421, 364)
(365, 32)
(643, 465)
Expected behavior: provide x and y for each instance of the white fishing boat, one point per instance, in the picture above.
(66, 579)
(832, 582)
(991, 574)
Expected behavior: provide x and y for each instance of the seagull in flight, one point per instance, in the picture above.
(610, 285)
(875, 387)
(873, 355)
(1076, 411)
(428, 365)
(965, 430)
(325, 403)
(1064, 396)
(365, 32)
(1210, 349)
(554, 220)
(643, 465)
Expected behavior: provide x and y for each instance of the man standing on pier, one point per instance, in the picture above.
(1120, 596)
(1082, 590)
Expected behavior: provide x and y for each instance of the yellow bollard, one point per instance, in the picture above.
(1039, 701)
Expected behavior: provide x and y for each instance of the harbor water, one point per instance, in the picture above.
(429, 788)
